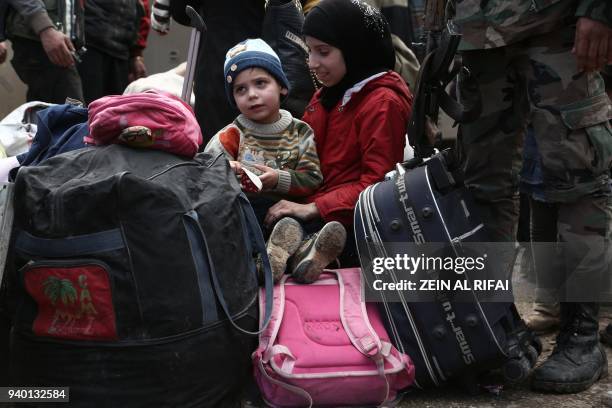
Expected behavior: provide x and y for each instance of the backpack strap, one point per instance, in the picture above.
(356, 323)
(269, 333)
(266, 349)
(353, 313)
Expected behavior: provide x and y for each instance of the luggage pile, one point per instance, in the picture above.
(131, 281)
(131, 275)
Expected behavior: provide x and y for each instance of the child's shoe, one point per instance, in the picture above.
(318, 251)
(284, 240)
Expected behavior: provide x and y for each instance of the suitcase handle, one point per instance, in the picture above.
(198, 27)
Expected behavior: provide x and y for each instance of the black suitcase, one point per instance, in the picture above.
(450, 337)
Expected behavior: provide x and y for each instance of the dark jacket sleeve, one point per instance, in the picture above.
(600, 10)
(35, 13)
(3, 11)
(143, 31)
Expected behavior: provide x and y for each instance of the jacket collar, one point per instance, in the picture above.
(358, 87)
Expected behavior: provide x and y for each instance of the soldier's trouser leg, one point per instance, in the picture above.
(585, 234)
(490, 148)
(536, 81)
(544, 316)
(546, 252)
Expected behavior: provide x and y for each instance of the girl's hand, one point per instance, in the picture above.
(236, 166)
(268, 177)
(286, 208)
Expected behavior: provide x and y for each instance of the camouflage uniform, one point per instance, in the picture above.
(519, 51)
(521, 57)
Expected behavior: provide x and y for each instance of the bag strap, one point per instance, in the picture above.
(292, 388)
(256, 237)
(356, 323)
(7, 215)
(268, 336)
(353, 313)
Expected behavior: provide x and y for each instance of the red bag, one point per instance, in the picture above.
(151, 119)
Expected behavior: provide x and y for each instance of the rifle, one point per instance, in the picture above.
(438, 69)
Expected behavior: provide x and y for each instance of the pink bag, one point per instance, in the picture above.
(151, 119)
(325, 346)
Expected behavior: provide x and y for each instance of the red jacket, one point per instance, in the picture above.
(358, 143)
(143, 30)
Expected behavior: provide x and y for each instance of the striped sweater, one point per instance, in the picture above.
(286, 145)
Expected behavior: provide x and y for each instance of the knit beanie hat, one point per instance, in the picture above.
(361, 33)
(248, 54)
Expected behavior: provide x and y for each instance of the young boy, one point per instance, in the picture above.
(269, 142)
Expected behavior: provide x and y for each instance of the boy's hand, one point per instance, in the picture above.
(236, 166)
(268, 176)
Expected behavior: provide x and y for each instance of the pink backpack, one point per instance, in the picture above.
(325, 346)
(152, 119)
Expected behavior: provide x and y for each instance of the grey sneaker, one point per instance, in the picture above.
(284, 240)
(317, 252)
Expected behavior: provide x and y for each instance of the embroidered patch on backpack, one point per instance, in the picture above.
(74, 302)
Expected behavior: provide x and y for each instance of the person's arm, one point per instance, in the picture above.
(56, 44)
(593, 43)
(35, 13)
(382, 140)
(226, 141)
(160, 16)
(137, 65)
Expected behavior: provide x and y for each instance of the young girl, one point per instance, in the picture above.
(359, 119)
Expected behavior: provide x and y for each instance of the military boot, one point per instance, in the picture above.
(578, 360)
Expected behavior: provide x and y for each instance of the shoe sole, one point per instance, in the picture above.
(327, 246)
(570, 388)
(284, 240)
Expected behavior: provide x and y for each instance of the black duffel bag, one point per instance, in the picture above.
(132, 279)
